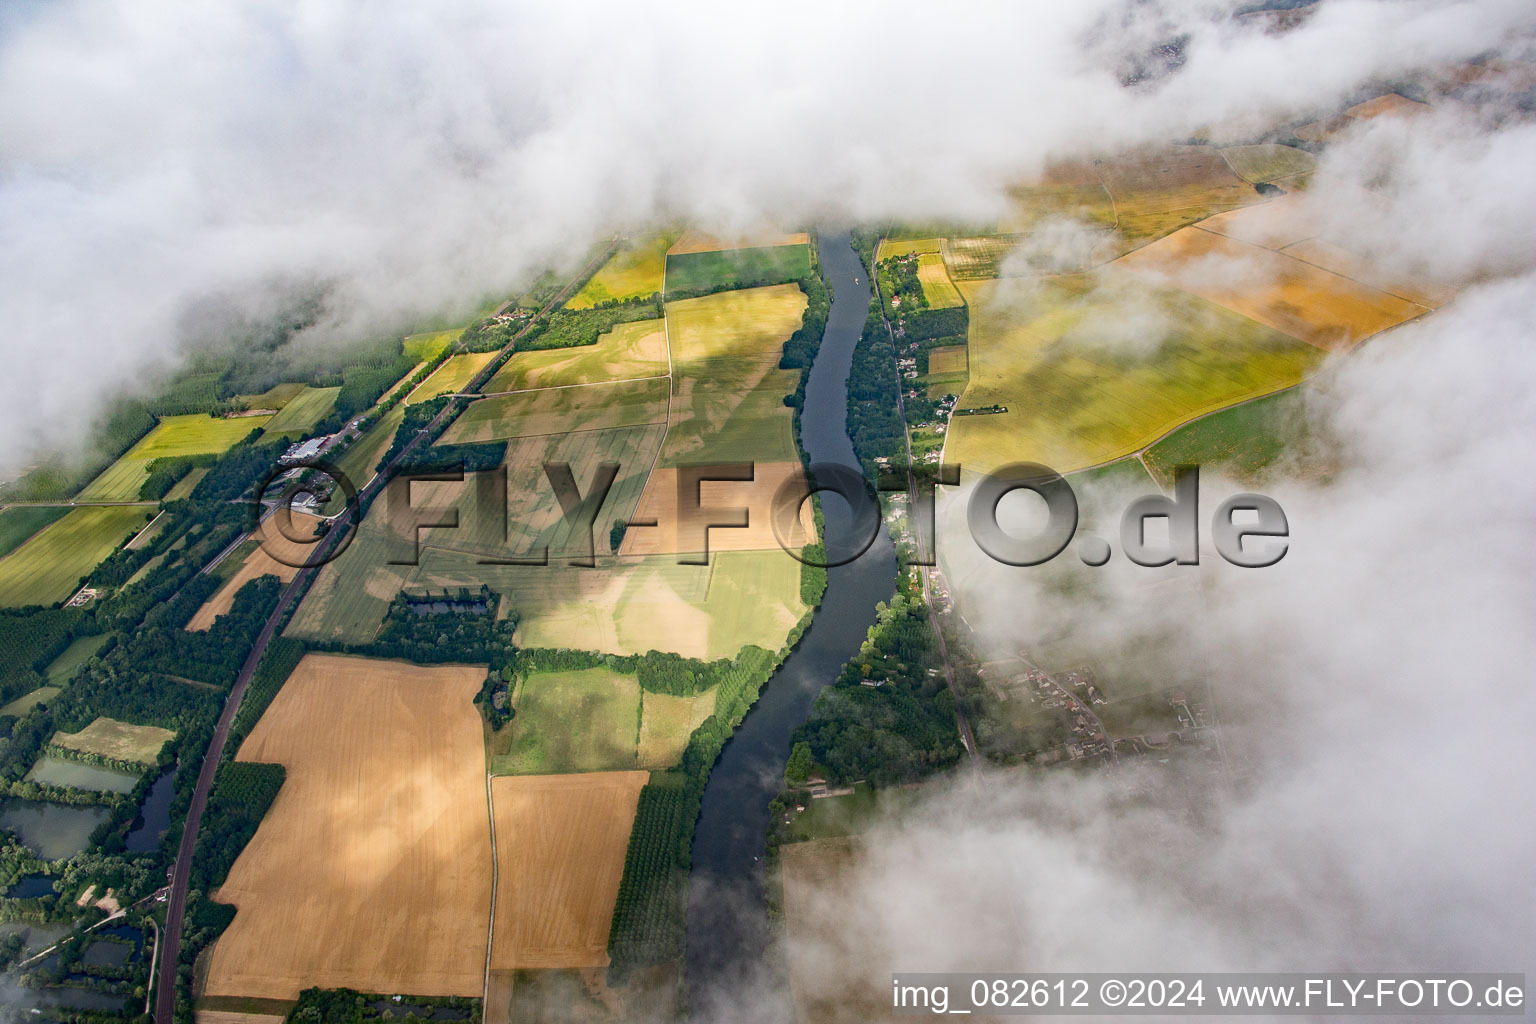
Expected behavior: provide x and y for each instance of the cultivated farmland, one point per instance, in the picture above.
(47, 568)
(119, 741)
(282, 552)
(362, 456)
(666, 722)
(635, 271)
(557, 410)
(21, 522)
(676, 533)
(193, 434)
(560, 844)
(893, 247)
(1246, 442)
(635, 349)
(1092, 369)
(452, 376)
(370, 870)
(737, 268)
(937, 288)
(426, 347)
(300, 414)
(1268, 163)
(584, 720)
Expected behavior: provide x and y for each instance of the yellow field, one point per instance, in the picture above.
(699, 241)
(453, 375)
(117, 740)
(890, 248)
(937, 288)
(627, 403)
(637, 349)
(48, 567)
(666, 723)
(1265, 163)
(560, 845)
(290, 554)
(1339, 260)
(728, 392)
(948, 359)
(1387, 105)
(370, 870)
(633, 272)
(1296, 298)
(194, 434)
(676, 533)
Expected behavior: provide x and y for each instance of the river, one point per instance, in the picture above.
(728, 928)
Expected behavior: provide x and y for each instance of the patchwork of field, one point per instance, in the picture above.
(119, 741)
(360, 459)
(1159, 191)
(635, 271)
(701, 241)
(560, 846)
(21, 522)
(193, 434)
(680, 527)
(736, 268)
(301, 412)
(1246, 442)
(428, 346)
(452, 376)
(1386, 105)
(893, 247)
(1268, 163)
(937, 287)
(1092, 368)
(1298, 298)
(369, 871)
(635, 349)
(728, 392)
(282, 552)
(629, 403)
(47, 567)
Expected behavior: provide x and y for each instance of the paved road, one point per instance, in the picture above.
(181, 874)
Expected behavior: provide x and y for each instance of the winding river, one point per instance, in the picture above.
(727, 920)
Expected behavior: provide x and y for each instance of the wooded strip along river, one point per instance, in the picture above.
(727, 920)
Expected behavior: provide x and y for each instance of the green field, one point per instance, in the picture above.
(635, 271)
(890, 248)
(635, 349)
(357, 463)
(300, 414)
(1246, 442)
(453, 375)
(193, 434)
(48, 567)
(938, 290)
(426, 347)
(22, 521)
(728, 393)
(27, 701)
(1268, 162)
(579, 721)
(274, 397)
(665, 725)
(737, 268)
(63, 668)
(557, 410)
(1090, 373)
(184, 487)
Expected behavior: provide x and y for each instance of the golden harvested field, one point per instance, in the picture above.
(636, 349)
(901, 247)
(699, 241)
(1297, 298)
(282, 540)
(1268, 162)
(948, 359)
(1339, 260)
(232, 1017)
(560, 845)
(1388, 104)
(666, 723)
(117, 740)
(977, 257)
(629, 403)
(634, 271)
(676, 533)
(193, 434)
(937, 288)
(728, 391)
(370, 870)
(453, 375)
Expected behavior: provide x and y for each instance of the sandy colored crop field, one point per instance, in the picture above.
(628, 403)
(890, 248)
(1338, 260)
(48, 566)
(231, 1017)
(635, 349)
(370, 870)
(937, 287)
(1296, 298)
(117, 740)
(193, 434)
(1389, 104)
(279, 555)
(728, 391)
(666, 723)
(560, 845)
(633, 272)
(948, 359)
(677, 532)
(1268, 162)
(453, 375)
(1082, 388)
(699, 241)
